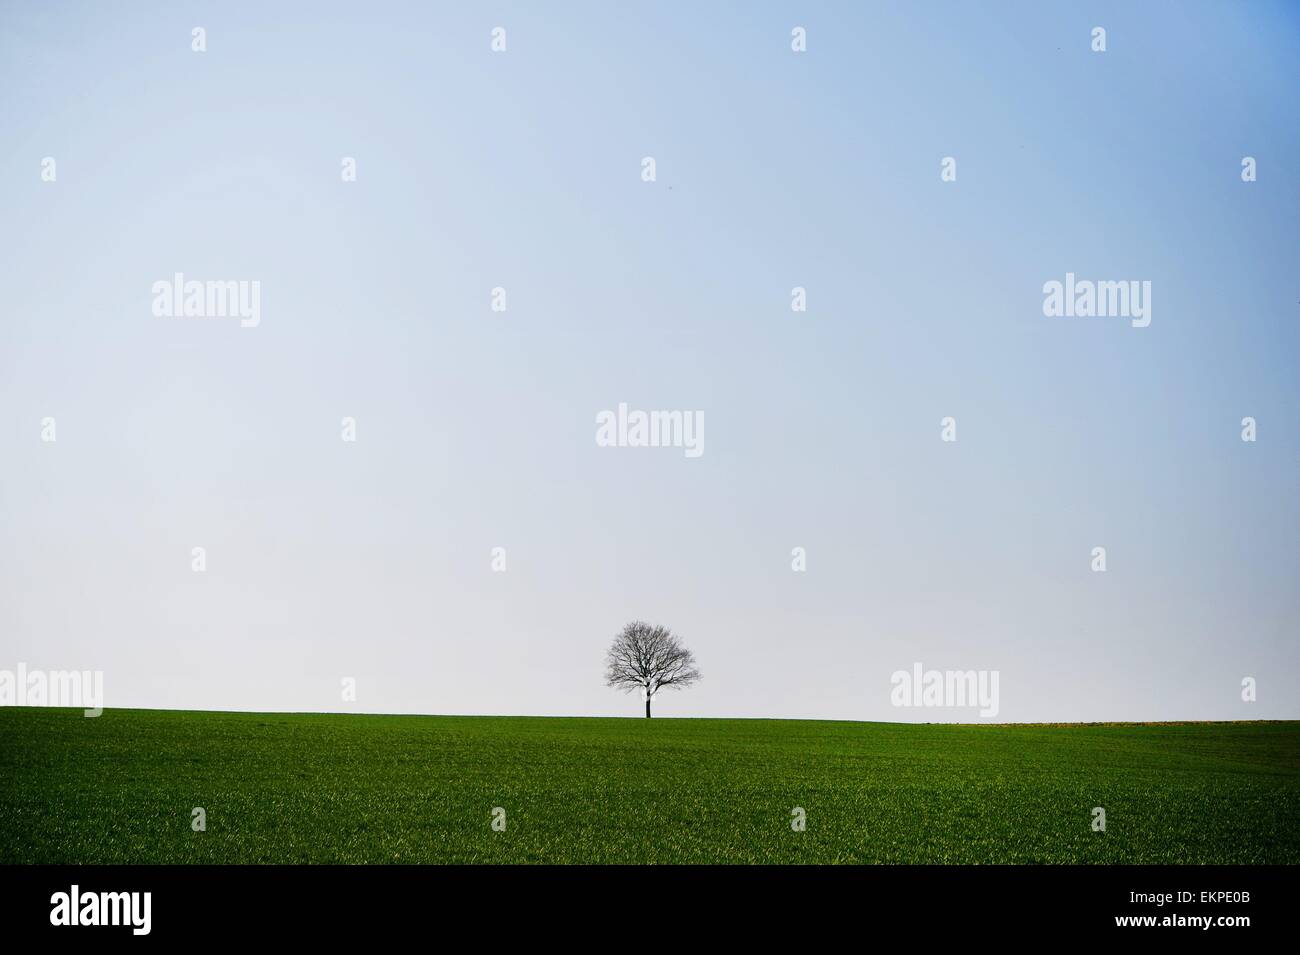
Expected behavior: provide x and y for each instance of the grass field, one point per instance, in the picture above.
(352, 788)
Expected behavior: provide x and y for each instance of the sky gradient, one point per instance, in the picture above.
(475, 429)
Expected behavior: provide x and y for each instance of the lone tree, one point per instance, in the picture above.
(650, 658)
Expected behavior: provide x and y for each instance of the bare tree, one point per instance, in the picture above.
(650, 658)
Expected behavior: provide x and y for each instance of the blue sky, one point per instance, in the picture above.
(521, 169)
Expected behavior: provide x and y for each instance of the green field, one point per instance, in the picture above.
(352, 788)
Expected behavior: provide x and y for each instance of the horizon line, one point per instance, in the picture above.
(733, 719)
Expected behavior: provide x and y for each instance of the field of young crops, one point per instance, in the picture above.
(133, 786)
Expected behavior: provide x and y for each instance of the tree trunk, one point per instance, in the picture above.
(647, 703)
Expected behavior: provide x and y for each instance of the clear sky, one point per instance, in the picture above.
(372, 559)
